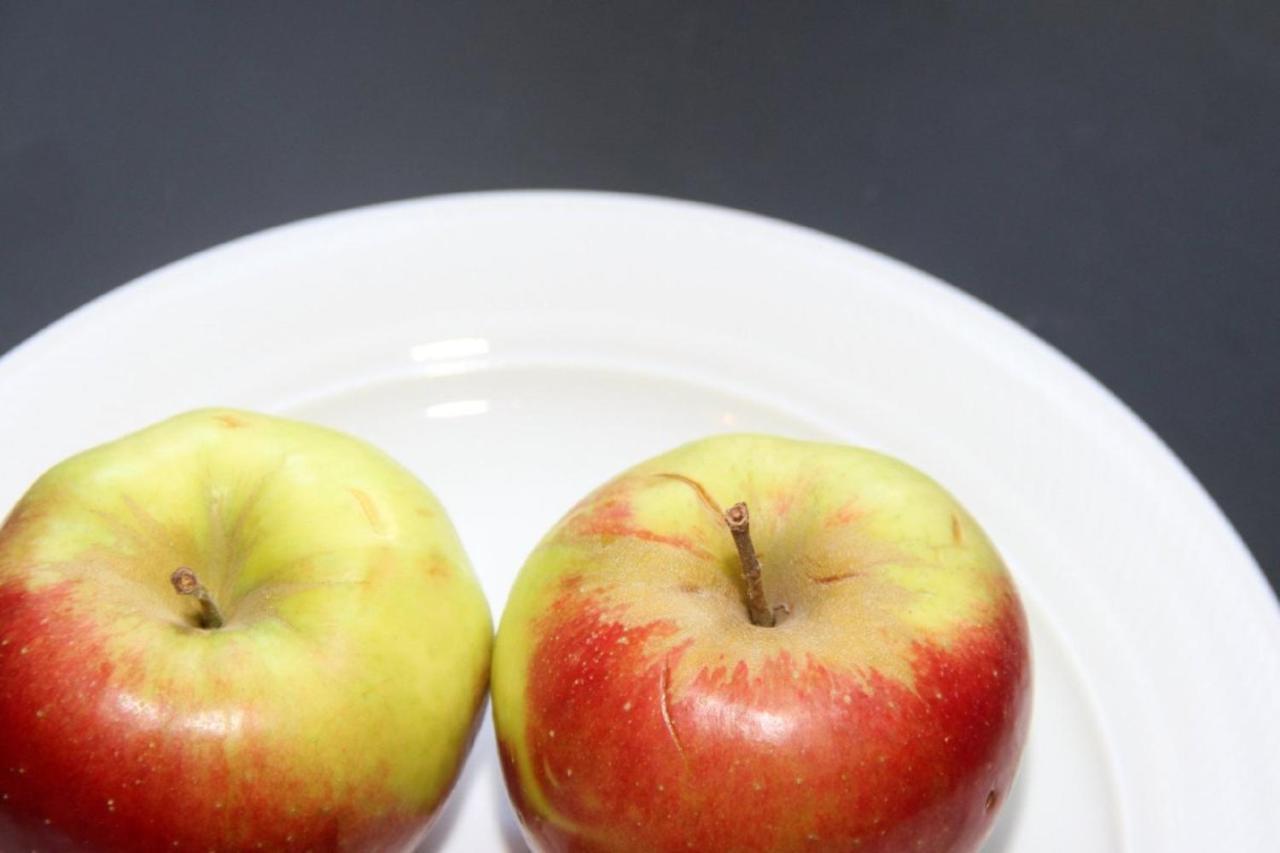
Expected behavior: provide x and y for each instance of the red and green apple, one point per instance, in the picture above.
(233, 632)
(753, 643)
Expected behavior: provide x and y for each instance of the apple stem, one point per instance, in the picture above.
(185, 582)
(758, 608)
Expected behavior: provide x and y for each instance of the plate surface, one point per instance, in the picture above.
(516, 349)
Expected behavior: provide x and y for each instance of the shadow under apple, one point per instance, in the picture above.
(483, 762)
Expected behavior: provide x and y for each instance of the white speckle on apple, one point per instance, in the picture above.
(626, 706)
(22, 651)
(551, 733)
(40, 713)
(111, 805)
(622, 641)
(568, 771)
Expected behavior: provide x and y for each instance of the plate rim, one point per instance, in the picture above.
(116, 299)
(189, 278)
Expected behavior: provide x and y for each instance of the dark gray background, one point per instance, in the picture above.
(1108, 177)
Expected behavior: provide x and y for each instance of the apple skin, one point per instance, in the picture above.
(637, 708)
(331, 712)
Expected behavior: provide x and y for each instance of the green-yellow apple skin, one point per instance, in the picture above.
(638, 709)
(330, 712)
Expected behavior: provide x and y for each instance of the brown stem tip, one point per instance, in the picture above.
(758, 609)
(185, 582)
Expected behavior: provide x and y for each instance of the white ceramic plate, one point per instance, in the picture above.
(516, 349)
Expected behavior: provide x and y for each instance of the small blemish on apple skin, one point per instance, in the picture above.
(993, 797)
(828, 579)
(370, 510)
(957, 530)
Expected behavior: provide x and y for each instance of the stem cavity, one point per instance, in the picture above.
(185, 582)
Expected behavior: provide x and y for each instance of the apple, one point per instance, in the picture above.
(233, 632)
(754, 643)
